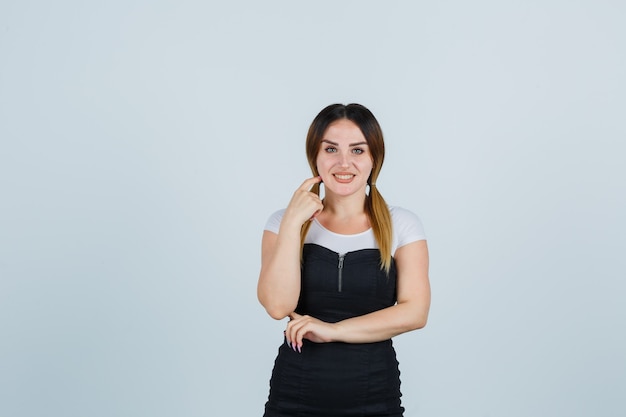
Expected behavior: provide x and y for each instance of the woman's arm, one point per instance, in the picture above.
(278, 289)
(410, 313)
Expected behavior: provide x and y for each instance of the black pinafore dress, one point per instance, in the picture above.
(339, 379)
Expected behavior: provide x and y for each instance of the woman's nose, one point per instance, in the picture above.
(345, 159)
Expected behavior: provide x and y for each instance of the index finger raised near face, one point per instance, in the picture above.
(308, 183)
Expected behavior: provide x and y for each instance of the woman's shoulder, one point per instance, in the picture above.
(273, 222)
(402, 214)
(406, 224)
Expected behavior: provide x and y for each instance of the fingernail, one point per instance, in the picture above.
(299, 348)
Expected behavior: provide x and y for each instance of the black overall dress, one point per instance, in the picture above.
(339, 379)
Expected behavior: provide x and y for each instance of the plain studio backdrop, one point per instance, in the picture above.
(145, 143)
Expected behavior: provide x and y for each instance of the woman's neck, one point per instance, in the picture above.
(341, 207)
(345, 215)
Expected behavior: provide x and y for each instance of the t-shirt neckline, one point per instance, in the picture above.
(341, 234)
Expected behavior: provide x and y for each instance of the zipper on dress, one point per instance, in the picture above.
(340, 270)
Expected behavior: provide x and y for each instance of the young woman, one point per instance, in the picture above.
(349, 271)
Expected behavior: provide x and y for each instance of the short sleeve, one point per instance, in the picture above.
(407, 226)
(273, 223)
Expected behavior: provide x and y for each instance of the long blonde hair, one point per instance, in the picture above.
(376, 208)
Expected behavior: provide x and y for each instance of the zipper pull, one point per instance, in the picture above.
(340, 269)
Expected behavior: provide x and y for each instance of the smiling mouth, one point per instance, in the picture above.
(344, 176)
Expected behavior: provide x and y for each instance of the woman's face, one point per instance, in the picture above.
(344, 160)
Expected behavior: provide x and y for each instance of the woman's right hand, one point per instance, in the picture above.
(279, 281)
(304, 205)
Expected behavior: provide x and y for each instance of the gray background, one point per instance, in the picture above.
(145, 143)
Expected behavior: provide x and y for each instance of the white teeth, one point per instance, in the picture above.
(344, 177)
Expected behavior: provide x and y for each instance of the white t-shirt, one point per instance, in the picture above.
(407, 228)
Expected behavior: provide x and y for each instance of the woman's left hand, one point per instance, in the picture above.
(310, 328)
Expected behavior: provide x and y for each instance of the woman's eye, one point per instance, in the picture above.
(330, 149)
(357, 151)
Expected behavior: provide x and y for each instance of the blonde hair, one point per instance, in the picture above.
(376, 208)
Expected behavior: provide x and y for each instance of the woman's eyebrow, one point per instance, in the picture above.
(336, 144)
